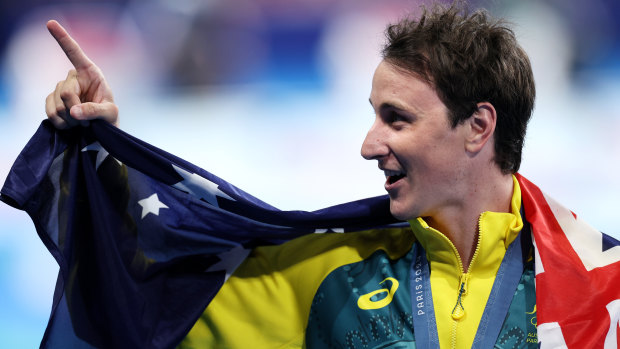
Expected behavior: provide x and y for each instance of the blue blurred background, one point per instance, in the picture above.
(272, 96)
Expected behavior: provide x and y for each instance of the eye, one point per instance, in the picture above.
(395, 119)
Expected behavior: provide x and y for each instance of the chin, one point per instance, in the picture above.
(402, 213)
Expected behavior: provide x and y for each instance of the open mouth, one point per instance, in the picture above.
(393, 176)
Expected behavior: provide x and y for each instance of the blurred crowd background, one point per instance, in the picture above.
(272, 95)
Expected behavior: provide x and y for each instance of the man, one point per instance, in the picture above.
(452, 98)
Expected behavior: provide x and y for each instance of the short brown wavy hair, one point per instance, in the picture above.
(469, 58)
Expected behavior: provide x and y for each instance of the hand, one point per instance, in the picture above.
(84, 95)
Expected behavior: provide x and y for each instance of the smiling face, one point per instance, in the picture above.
(423, 157)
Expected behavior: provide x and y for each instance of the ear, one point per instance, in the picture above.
(481, 127)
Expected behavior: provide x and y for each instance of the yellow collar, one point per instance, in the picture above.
(460, 298)
(495, 228)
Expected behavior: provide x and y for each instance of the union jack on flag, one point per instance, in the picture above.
(577, 276)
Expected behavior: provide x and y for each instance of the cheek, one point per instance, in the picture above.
(436, 168)
(447, 152)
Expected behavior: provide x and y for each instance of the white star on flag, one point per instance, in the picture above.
(151, 205)
(230, 260)
(101, 153)
(199, 187)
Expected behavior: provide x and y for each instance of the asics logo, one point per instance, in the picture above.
(365, 301)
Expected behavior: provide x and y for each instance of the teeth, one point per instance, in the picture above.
(389, 173)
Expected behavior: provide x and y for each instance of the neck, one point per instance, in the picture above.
(459, 222)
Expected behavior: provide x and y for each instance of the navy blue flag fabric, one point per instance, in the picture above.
(144, 239)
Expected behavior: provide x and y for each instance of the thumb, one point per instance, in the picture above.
(106, 111)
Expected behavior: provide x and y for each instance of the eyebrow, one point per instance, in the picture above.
(386, 105)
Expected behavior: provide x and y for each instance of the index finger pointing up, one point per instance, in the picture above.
(69, 46)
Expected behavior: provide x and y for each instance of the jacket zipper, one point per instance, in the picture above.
(459, 311)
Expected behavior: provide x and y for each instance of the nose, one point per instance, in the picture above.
(374, 146)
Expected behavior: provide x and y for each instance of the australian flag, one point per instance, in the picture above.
(144, 239)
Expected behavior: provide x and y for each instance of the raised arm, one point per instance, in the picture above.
(84, 95)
